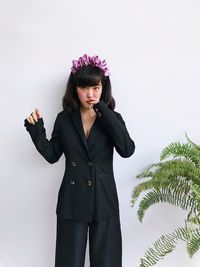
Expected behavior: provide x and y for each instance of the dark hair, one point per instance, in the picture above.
(86, 76)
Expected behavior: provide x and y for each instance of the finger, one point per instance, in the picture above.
(92, 99)
(34, 116)
(38, 113)
(94, 102)
(28, 119)
(31, 119)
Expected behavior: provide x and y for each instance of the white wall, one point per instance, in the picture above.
(152, 48)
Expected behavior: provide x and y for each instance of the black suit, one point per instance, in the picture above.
(88, 189)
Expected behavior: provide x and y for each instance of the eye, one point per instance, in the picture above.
(83, 88)
(96, 88)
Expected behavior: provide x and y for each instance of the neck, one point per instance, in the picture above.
(89, 111)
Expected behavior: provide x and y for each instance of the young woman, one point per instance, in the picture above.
(87, 130)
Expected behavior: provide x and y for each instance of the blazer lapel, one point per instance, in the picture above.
(77, 121)
(94, 136)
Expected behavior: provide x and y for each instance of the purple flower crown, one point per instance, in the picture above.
(87, 60)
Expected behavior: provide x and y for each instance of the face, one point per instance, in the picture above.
(89, 94)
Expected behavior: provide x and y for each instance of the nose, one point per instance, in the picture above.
(89, 92)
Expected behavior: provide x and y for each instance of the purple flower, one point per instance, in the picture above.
(87, 60)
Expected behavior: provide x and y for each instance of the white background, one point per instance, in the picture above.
(152, 49)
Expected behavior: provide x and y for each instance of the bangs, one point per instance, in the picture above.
(88, 76)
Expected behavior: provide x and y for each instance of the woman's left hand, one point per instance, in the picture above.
(92, 101)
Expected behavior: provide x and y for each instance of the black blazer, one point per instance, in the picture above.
(88, 184)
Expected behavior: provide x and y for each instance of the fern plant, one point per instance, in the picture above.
(174, 180)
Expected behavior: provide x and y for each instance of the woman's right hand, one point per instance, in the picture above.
(34, 116)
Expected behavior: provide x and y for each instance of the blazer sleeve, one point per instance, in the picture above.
(116, 127)
(51, 149)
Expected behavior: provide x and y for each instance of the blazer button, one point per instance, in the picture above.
(89, 163)
(89, 182)
(72, 182)
(99, 114)
(73, 163)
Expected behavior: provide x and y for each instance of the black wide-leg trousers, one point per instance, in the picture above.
(105, 243)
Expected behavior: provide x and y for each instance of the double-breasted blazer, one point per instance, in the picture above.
(88, 182)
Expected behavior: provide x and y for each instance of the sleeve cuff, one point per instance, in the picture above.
(99, 107)
(28, 125)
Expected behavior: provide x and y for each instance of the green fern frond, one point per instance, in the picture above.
(196, 191)
(147, 172)
(175, 184)
(171, 169)
(167, 244)
(178, 167)
(193, 245)
(192, 143)
(176, 197)
(186, 151)
(194, 220)
(174, 181)
(140, 188)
